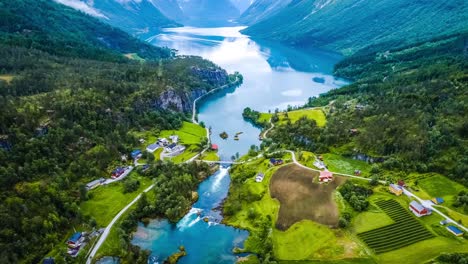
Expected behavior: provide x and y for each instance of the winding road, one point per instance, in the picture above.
(107, 230)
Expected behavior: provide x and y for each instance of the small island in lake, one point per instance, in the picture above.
(224, 135)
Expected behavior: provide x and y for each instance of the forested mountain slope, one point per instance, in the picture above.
(261, 10)
(351, 25)
(407, 106)
(68, 99)
(133, 16)
(60, 30)
(170, 8)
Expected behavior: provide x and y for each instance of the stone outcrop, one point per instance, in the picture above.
(171, 99)
(214, 76)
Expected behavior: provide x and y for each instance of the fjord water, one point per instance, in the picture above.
(275, 76)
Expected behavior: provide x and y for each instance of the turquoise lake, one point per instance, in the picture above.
(275, 76)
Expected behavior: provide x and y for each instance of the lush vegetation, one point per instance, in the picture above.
(405, 231)
(356, 195)
(67, 111)
(375, 116)
(352, 25)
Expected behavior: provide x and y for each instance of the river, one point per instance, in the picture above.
(275, 76)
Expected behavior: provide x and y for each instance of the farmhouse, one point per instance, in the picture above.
(163, 142)
(75, 240)
(174, 138)
(396, 189)
(455, 231)
(259, 177)
(95, 183)
(152, 148)
(325, 176)
(437, 200)
(117, 172)
(174, 149)
(136, 154)
(276, 162)
(418, 209)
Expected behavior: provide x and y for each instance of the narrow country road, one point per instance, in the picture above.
(106, 232)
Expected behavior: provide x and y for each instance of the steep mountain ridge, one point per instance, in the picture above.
(261, 10)
(133, 16)
(63, 31)
(208, 12)
(351, 25)
(170, 8)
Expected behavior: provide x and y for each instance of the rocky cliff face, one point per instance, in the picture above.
(171, 99)
(214, 76)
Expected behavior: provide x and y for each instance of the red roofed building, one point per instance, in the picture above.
(325, 176)
(214, 147)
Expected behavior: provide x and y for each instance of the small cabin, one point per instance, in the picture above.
(437, 200)
(117, 172)
(75, 240)
(395, 189)
(455, 231)
(152, 148)
(136, 154)
(418, 209)
(276, 162)
(401, 183)
(95, 183)
(325, 176)
(357, 173)
(214, 147)
(259, 177)
(48, 260)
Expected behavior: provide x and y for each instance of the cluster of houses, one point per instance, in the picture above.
(172, 147)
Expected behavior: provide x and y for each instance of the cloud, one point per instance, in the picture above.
(82, 6)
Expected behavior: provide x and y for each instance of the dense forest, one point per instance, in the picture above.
(408, 108)
(69, 97)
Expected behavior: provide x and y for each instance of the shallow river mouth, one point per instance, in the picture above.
(275, 76)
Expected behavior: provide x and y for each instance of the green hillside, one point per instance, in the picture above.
(350, 25)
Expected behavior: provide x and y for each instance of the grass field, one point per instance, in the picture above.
(405, 231)
(189, 134)
(210, 155)
(106, 201)
(314, 114)
(301, 197)
(366, 221)
(341, 164)
(134, 56)
(439, 186)
(6, 77)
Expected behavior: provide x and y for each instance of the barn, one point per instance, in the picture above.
(418, 209)
(325, 176)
